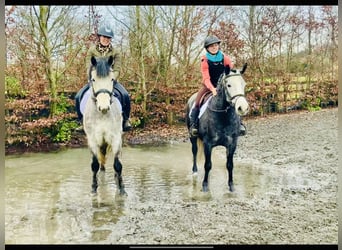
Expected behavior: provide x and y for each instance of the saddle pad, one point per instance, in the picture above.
(87, 95)
(202, 108)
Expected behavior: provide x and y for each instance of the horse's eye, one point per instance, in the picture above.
(229, 85)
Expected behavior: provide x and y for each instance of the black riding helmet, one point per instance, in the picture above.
(105, 31)
(211, 40)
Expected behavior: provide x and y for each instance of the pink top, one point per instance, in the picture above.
(205, 70)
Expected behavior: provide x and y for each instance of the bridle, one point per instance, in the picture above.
(105, 91)
(230, 103)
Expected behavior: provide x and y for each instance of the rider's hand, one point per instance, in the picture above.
(214, 91)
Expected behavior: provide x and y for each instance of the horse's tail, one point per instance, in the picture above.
(199, 148)
(103, 153)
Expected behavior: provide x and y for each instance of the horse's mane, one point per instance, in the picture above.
(220, 79)
(227, 70)
(102, 67)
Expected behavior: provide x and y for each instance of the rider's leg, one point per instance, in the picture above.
(125, 101)
(78, 98)
(195, 112)
(194, 121)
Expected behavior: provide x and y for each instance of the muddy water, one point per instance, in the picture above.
(285, 176)
(48, 197)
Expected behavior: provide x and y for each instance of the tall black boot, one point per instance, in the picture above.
(194, 121)
(121, 93)
(126, 124)
(126, 108)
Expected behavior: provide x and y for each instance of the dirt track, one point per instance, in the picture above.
(298, 154)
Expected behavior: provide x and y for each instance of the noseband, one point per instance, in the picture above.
(106, 91)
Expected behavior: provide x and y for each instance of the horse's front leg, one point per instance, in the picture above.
(194, 149)
(207, 166)
(117, 175)
(95, 168)
(230, 166)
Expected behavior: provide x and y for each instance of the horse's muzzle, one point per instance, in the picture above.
(241, 106)
(104, 110)
(103, 103)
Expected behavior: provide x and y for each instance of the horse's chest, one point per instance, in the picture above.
(221, 138)
(220, 134)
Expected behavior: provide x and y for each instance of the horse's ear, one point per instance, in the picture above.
(243, 69)
(227, 70)
(110, 60)
(93, 61)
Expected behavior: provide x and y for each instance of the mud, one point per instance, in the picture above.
(286, 175)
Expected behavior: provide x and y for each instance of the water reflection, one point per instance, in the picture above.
(49, 199)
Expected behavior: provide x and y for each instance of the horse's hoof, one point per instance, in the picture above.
(205, 189)
(231, 188)
(94, 188)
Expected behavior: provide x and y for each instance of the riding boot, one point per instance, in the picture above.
(126, 108)
(121, 93)
(126, 125)
(243, 130)
(194, 121)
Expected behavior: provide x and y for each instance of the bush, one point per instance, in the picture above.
(62, 131)
(13, 88)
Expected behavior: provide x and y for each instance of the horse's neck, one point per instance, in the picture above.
(219, 102)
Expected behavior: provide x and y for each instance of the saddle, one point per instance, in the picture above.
(204, 98)
(203, 103)
(87, 94)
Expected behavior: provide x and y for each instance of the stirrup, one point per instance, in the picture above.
(79, 128)
(193, 131)
(243, 130)
(127, 126)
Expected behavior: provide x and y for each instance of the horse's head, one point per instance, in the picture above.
(102, 81)
(233, 86)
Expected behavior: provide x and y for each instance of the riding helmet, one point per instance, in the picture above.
(105, 31)
(211, 40)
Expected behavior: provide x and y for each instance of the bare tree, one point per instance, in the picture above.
(295, 24)
(48, 42)
(330, 18)
(312, 25)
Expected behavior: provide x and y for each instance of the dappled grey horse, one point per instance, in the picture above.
(102, 120)
(219, 121)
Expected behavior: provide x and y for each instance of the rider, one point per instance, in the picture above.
(103, 48)
(212, 66)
